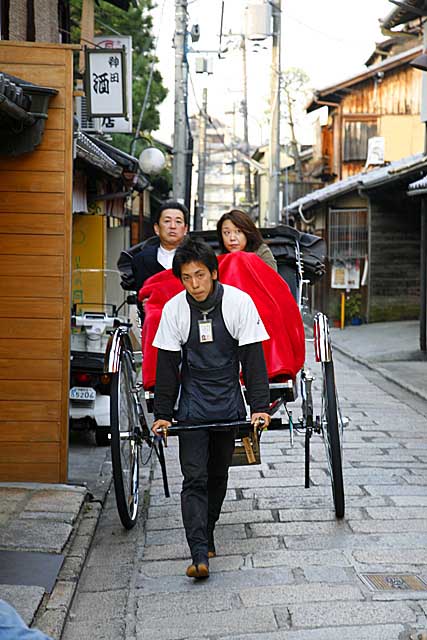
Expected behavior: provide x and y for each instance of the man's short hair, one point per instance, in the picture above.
(194, 250)
(172, 204)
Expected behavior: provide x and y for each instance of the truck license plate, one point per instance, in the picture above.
(83, 393)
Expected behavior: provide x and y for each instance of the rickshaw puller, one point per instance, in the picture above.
(205, 333)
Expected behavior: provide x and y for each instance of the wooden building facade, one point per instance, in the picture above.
(372, 227)
(383, 101)
(367, 196)
(35, 243)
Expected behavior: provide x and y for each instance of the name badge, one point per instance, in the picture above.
(205, 331)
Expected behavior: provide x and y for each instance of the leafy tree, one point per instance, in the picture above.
(136, 22)
(295, 93)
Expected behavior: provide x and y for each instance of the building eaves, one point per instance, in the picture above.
(128, 162)
(335, 93)
(383, 48)
(402, 14)
(394, 171)
(323, 195)
(364, 181)
(90, 152)
(418, 188)
(23, 113)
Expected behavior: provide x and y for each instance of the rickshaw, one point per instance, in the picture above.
(301, 260)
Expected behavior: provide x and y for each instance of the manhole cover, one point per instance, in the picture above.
(413, 634)
(392, 581)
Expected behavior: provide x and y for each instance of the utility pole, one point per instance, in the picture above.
(233, 155)
(200, 205)
(248, 189)
(423, 234)
(181, 86)
(274, 148)
(87, 29)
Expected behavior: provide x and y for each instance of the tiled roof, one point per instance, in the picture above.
(389, 63)
(91, 153)
(23, 101)
(365, 181)
(14, 92)
(121, 157)
(418, 187)
(402, 14)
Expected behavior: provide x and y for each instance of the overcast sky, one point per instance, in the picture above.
(329, 39)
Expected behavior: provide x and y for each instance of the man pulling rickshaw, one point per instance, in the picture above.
(205, 334)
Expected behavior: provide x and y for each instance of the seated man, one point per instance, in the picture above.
(205, 333)
(156, 253)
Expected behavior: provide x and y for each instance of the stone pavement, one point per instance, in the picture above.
(286, 567)
(390, 348)
(45, 528)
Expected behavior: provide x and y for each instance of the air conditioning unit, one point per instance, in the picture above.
(86, 124)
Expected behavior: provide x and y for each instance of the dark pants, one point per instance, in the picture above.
(205, 457)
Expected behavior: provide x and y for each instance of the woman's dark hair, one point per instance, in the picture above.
(194, 250)
(245, 224)
(172, 204)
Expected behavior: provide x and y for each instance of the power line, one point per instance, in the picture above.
(323, 33)
(245, 159)
(148, 88)
(208, 117)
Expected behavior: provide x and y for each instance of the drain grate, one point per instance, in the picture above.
(394, 581)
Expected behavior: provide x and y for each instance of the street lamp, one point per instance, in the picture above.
(151, 161)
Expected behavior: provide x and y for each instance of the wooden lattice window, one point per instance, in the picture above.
(348, 234)
(356, 136)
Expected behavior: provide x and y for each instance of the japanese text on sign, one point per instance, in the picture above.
(117, 124)
(106, 82)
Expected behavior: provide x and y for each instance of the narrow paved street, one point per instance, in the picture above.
(286, 569)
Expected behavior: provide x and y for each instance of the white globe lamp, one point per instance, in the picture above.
(151, 161)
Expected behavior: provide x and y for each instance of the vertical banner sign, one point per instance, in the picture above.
(114, 124)
(105, 83)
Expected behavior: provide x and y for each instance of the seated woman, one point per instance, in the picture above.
(284, 352)
(237, 232)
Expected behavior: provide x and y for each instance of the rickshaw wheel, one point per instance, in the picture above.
(331, 435)
(124, 448)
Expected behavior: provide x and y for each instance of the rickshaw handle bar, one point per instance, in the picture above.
(175, 430)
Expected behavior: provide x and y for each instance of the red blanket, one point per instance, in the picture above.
(284, 352)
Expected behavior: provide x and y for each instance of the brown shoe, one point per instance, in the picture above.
(212, 553)
(198, 571)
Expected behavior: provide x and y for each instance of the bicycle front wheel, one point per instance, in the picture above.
(332, 437)
(124, 443)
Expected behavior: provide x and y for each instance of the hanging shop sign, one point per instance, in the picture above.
(105, 80)
(111, 124)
